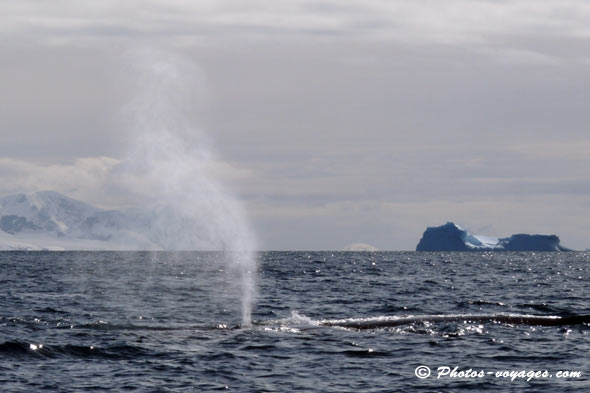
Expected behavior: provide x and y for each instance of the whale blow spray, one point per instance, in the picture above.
(175, 170)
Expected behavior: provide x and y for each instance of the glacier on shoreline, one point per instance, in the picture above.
(451, 237)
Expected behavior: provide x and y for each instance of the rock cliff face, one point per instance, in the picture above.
(451, 237)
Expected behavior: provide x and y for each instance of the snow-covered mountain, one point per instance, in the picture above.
(50, 220)
(46, 211)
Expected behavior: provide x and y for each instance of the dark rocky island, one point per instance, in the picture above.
(451, 237)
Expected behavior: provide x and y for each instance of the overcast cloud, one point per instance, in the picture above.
(335, 121)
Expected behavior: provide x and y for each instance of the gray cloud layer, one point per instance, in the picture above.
(339, 122)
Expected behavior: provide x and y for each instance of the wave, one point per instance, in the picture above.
(18, 348)
(106, 326)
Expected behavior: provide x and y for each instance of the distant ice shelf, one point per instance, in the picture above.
(360, 247)
(451, 237)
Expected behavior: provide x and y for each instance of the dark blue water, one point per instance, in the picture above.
(164, 322)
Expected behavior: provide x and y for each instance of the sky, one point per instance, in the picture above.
(334, 122)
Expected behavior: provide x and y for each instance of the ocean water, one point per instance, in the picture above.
(168, 322)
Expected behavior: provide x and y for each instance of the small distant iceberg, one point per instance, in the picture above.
(451, 237)
(360, 247)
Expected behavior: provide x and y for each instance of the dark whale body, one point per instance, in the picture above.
(513, 319)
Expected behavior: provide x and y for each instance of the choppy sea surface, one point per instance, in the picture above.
(167, 322)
